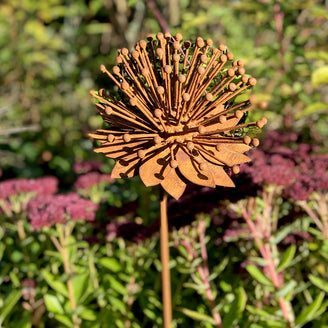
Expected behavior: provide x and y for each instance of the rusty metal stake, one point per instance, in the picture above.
(165, 257)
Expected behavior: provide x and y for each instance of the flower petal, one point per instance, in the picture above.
(226, 126)
(155, 167)
(224, 155)
(238, 147)
(125, 169)
(121, 149)
(221, 178)
(189, 168)
(174, 185)
(208, 153)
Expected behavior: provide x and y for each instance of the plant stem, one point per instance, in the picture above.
(165, 257)
(63, 238)
(204, 273)
(261, 237)
(20, 229)
(158, 15)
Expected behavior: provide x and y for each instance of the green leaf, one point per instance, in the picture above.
(96, 28)
(88, 314)
(282, 292)
(195, 263)
(23, 321)
(262, 313)
(80, 285)
(2, 250)
(16, 256)
(54, 283)
(9, 302)
(317, 54)
(319, 11)
(111, 264)
(286, 258)
(310, 312)
(315, 108)
(150, 314)
(322, 310)
(117, 304)
(258, 275)
(14, 279)
(194, 286)
(53, 305)
(320, 76)
(196, 316)
(236, 308)
(320, 283)
(183, 251)
(116, 285)
(131, 3)
(282, 233)
(258, 260)
(65, 320)
(274, 324)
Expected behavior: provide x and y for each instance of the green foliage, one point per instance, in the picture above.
(258, 275)
(50, 52)
(8, 303)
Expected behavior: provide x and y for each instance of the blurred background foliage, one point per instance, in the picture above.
(50, 52)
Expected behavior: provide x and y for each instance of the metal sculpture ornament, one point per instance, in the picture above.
(177, 114)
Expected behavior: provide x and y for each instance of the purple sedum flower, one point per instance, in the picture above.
(16, 193)
(87, 166)
(88, 180)
(47, 210)
(299, 171)
(44, 185)
(267, 169)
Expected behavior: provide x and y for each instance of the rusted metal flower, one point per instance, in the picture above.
(175, 117)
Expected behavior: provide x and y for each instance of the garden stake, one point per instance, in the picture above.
(174, 121)
(165, 258)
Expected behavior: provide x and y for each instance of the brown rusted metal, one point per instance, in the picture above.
(177, 118)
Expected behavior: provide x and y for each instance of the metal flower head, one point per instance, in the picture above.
(176, 115)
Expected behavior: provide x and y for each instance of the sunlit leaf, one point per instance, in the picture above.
(236, 308)
(309, 312)
(54, 283)
(80, 285)
(282, 292)
(315, 108)
(88, 314)
(287, 257)
(65, 320)
(116, 285)
(320, 76)
(52, 303)
(320, 283)
(258, 275)
(8, 304)
(111, 264)
(196, 315)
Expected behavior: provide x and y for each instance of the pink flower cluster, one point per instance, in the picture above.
(273, 140)
(15, 193)
(47, 210)
(87, 166)
(300, 171)
(312, 170)
(271, 169)
(44, 185)
(86, 181)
